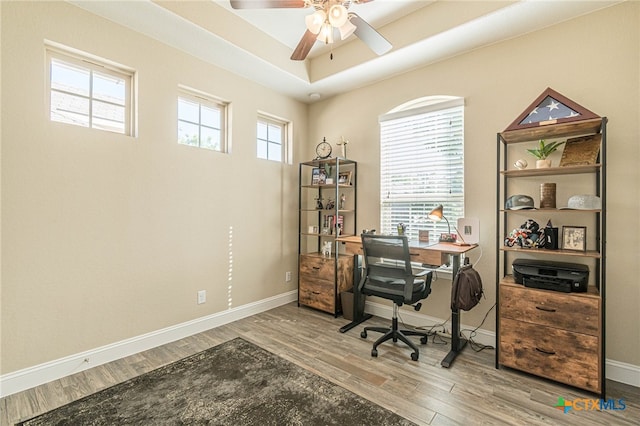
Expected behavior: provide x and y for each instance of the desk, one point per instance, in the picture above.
(430, 254)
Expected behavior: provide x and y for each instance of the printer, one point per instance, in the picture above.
(550, 275)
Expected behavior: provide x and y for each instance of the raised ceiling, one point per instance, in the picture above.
(257, 44)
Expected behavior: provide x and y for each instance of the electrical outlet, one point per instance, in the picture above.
(287, 276)
(202, 296)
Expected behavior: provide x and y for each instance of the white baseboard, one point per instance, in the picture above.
(617, 371)
(33, 376)
(37, 375)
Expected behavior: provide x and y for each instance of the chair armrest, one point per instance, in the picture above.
(420, 272)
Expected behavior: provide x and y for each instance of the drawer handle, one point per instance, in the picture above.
(545, 351)
(316, 267)
(316, 292)
(542, 308)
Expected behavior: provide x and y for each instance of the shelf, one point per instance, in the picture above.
(333, 236)
(554, 211)
(589, 253)
(551, 131)
(327, 185)
(566, 170)
(330, 211)
(329, 161)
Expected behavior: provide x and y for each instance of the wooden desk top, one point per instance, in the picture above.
(449, 248)
(431, 253)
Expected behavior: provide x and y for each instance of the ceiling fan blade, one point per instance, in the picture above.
(369, 35)
(266, 4)
(304, 46)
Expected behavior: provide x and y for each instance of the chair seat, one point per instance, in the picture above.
(391, 286)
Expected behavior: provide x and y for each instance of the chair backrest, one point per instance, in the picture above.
(387, 255)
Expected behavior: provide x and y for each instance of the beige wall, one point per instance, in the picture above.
(593, 60)
(107, 237)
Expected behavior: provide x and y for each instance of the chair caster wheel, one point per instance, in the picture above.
(414, 356)
(363, 334)
(374, 353)
(423, 340)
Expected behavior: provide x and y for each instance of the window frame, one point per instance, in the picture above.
(93, 64)
(205, 99)
(422, 202)
(285, 130)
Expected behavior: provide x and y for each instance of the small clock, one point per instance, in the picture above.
(323, 149)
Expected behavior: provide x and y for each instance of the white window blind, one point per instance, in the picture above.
(421, 166)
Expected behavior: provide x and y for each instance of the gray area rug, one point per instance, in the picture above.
(234, 383)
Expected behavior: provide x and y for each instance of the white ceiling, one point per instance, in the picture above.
(257, 43)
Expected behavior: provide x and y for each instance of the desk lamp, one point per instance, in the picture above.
(436, 215)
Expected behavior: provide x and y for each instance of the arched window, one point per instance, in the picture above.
(422, 165)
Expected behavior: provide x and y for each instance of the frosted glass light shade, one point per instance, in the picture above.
(315, 20)
(338, 15)
(347, 29)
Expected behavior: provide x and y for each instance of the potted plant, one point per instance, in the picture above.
(543, 151)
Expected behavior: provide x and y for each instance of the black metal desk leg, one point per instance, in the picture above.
(358, 299)
(457, 342)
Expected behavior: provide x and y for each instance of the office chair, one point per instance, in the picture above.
(389, 275)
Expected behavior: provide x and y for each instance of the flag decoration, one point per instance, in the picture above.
(550, 108)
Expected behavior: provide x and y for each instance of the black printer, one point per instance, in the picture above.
(549, 275)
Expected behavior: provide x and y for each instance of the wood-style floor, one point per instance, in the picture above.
(471, 392)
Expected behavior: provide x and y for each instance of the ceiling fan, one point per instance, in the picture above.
(328, 15)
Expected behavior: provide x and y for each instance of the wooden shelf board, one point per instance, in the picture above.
(589, 253)
(591, 290)
(566, 170)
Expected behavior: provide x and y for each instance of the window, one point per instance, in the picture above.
(422, 165)
(89, 92)
(202, 121)
(272, 138)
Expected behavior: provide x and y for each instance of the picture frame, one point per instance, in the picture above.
(581, 151)
(318, 176)
(574, 238)
(344, 178)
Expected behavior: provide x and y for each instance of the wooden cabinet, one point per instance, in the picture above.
(327, 210)
(552, 334)
(317, 288)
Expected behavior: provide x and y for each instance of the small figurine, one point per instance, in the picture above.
(326, 249)
(330, 204)
(319, 205)
(343, 144)
(342, 201)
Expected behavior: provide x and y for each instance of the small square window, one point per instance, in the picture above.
(202, 121)
(271, 138)
(86, 92)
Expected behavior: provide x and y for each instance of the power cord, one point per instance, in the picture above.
(429, 330)
(477, 347)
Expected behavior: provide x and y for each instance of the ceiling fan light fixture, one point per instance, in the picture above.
(338, 15)
(347, 29)
(326, 33)
(315, 21)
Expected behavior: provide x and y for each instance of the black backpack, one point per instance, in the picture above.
(466, 291)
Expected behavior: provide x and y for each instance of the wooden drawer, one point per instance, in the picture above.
(316, 266)
(560, 355)
(569, 311)
(420, 255)
(317, 293)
